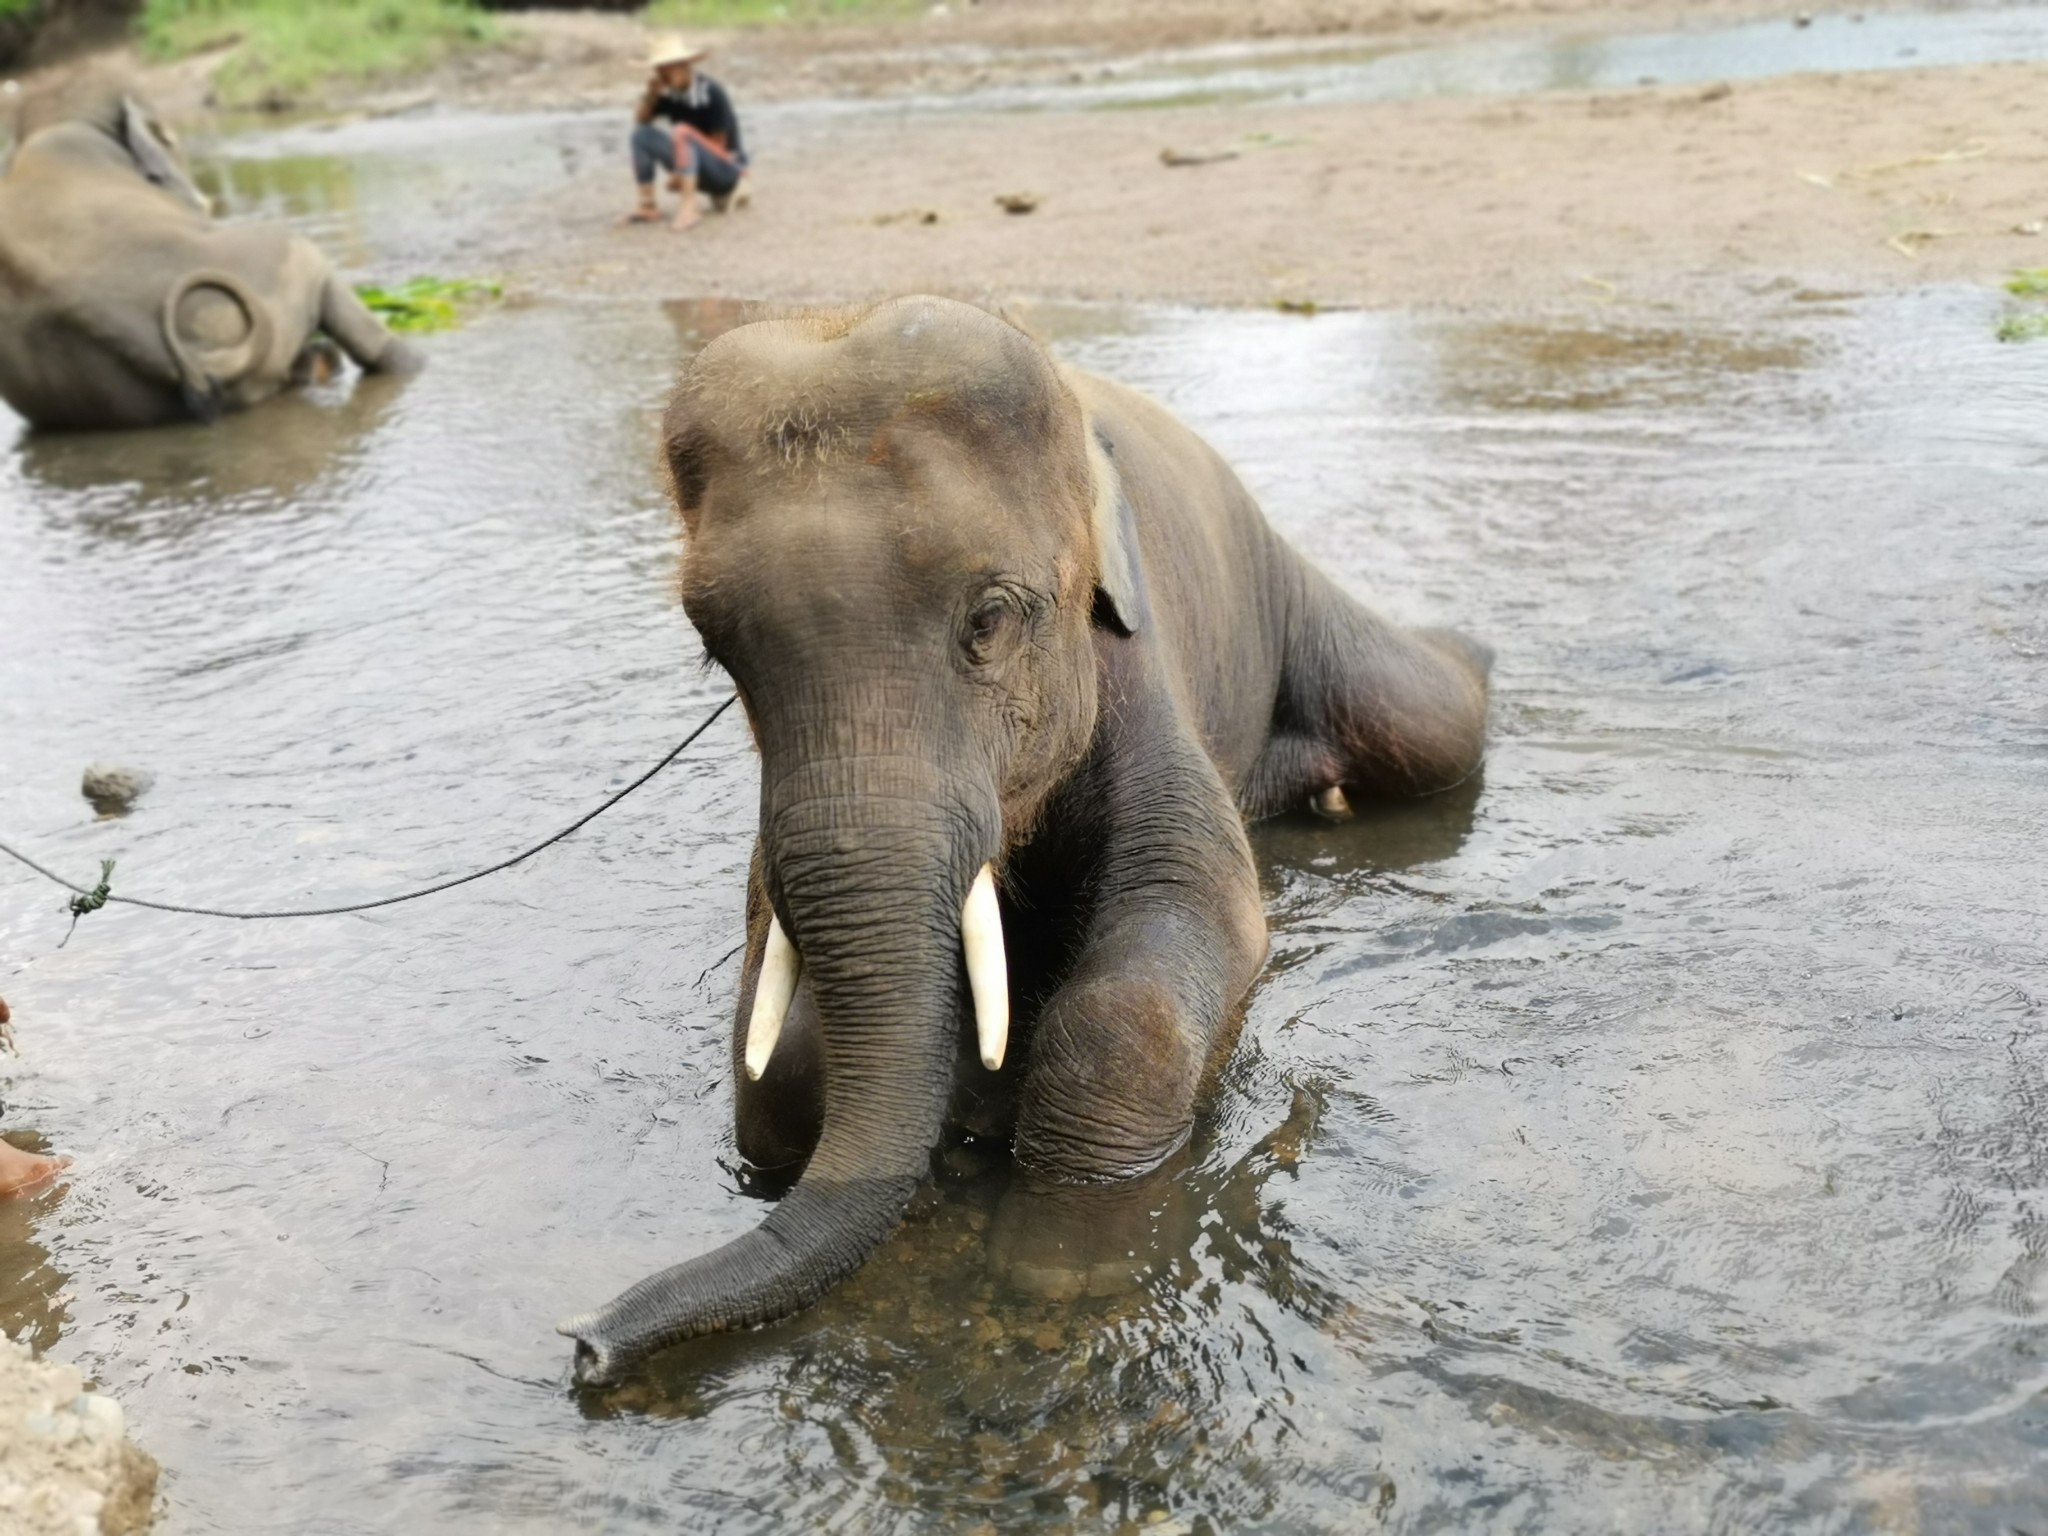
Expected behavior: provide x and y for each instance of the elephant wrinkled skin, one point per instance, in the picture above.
(123, 304)
(983, 610)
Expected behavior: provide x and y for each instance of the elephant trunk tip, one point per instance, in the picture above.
(596, 1361)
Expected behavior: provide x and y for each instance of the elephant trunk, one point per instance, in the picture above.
(873, 910)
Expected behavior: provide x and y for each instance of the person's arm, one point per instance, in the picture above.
(643, 110)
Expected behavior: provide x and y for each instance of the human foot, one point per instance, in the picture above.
(645, 213)
(686, 215)
(24, 1173)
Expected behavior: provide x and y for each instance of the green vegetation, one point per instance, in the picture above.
(16, 7)
(427, 303)
(747, 13)
(2026, 324)
(289, 47)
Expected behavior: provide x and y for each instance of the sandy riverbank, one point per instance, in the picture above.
(1646, 194)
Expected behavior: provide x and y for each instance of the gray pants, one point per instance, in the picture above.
(654, 145)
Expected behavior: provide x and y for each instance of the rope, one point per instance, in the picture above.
(89, 900)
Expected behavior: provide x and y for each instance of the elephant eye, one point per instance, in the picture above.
(982, 635)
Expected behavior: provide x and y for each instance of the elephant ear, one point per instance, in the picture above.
(1119, 595)
(154, 151)
(217, 332)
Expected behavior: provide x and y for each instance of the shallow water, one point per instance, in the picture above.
(1555, 59)
(1654, 1136)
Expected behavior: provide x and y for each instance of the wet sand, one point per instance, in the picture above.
(1651, 195)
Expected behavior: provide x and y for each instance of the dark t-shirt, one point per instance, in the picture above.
(706, 108)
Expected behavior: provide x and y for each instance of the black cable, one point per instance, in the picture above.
(391, 901)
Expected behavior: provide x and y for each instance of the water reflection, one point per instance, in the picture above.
(33, 1289)
(1514, 366)
(167, 481)
(1383, 836)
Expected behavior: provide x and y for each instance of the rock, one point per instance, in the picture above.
(112, 789)
(1017, 202)
(1720, 90)
(66, 1467)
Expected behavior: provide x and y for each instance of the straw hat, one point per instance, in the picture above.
(673, 48)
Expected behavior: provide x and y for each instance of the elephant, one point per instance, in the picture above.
(1020, 657)
(123, 304)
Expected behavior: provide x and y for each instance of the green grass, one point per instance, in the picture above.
(16, 7)
(288, 49)
(751, 13)
(427, 303)
(2031, 282)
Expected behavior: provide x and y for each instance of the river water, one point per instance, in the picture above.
(1652, 1136)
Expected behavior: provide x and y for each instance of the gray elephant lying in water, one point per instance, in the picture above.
(1021, 657)
(123, 304)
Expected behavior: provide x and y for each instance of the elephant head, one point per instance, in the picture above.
(902, 541)
(112, 125)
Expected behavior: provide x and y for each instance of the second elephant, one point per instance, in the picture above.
(124, 304)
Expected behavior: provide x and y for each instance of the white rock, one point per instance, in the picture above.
(101, 1419)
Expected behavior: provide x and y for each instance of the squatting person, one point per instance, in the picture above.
(700, 148)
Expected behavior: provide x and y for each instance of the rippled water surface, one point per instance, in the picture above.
(1655, 1136)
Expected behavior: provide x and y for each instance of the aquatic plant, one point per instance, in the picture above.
(2028, 282)
(2032, 326)
(427, 303)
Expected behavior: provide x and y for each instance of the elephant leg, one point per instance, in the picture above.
(361, 334)
(776, 1120)
(1368, 707)
(1067, 1240)
(1176, 937)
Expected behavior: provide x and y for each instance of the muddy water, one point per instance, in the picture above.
(1655, 1135)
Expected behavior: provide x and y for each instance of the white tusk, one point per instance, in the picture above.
(1332, 804)
(780, 967)
(988, 973)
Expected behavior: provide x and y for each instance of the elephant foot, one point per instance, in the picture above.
(1063, 1241)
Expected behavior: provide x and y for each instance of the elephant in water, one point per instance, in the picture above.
(1021, 657)
(123, 304)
